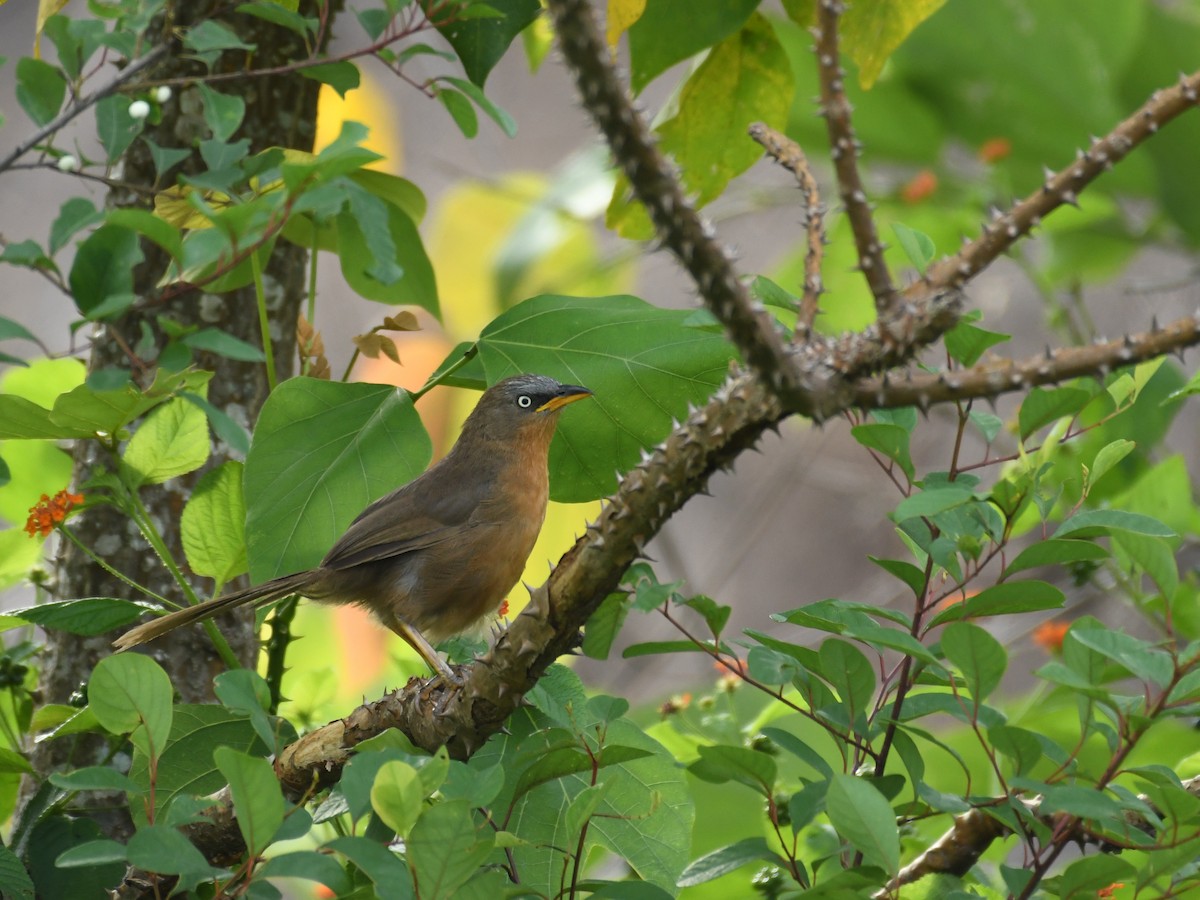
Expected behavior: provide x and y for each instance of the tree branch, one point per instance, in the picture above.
(1062, 188)
(1004, 376)
(788, 154)
(844, 150)
(678, 225)
(71, 112)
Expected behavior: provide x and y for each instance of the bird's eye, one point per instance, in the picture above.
(524, 402)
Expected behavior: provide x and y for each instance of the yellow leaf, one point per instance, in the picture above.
(621, 16)
(46, 9)
(871, 31)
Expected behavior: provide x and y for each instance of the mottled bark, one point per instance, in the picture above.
(280, 111)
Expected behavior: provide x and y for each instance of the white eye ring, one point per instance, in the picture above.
(524, 402)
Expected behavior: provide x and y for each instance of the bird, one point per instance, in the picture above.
(438, 554)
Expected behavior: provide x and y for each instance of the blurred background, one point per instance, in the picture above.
(512, 218)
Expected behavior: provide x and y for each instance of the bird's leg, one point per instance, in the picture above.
(425, 650)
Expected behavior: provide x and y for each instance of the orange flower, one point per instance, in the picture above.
(1107, 892)
(503, 610)
(995, 149)
(733, 664)
(1050, 634)
(922, 185)
(47, 513)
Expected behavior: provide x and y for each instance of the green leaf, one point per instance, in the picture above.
(850, 673)
(563, 761)
(1020, 746)
(73, 216)
(966, 343)
(397, 796)
(131, 694)
(172, 441)
(164, 158)
(223, 113)
(15, 883)
(745, 78)
(1088, 877)
(905, 571)
(257, 798)
(506, 122)
(720, 763)
(89, 616)
(461, 111)
(932, 501)
(94, 778)
(670, 31)
(322, 451)
(281, 14)
(56, 835)
(1108, 456)
(917, 246)
(1004, 599)
(116, 127)
(977, 655)
(653, 648)
(342, 76)
(213, 340)
(445, 848)
(727, 859)
(210, 35)
(871, 30)
(1055, 551)
(864, 817)
(41, 88)
(103, 267)
(1144, 660)
(389, 875)
(989, 425)
(186, 767)
(212, 526)
(481, 42)
(162, 849)
(1042, 406)
(1105, 521)
(361, 253)
(890, 440)
(643, 364)
(150, 226)
(12, 762)
(310, 866)
(223, 425)
(10, 329)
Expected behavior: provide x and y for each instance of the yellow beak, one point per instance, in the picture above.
(568, 394)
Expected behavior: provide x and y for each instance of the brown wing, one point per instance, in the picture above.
(439, 506)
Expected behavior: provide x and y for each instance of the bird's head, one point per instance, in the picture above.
(525, 405)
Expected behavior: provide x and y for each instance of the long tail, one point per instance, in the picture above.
(263, 593)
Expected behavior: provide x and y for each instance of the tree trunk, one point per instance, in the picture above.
(280, 110)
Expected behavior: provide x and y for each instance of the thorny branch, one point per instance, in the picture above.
(678, 225)
(788, 154)
(1007, 228)
(844, 149)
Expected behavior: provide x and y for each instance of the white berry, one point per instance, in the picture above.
(68, 163)
(139, 109)
(162, 94)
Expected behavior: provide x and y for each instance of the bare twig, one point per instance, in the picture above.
(84, 104)
(1006, 229)
(788, 154)
(844, 149)
(678, 225)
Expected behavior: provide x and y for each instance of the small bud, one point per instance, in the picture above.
(68, 163)
(139, 109)
(162, 93)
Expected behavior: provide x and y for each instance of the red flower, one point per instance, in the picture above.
(47, 513)
(503, 610)
(995, 149)
(1049, 635)
(921, 187)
